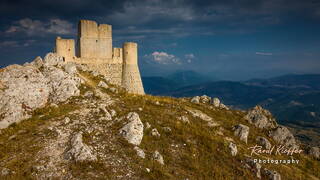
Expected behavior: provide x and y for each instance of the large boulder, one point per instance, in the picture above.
(133, 130)
(261, 118)
(24, 90)
(283, 136)
(242, 131)
(233, 149)
(205, 99)
(53, 59)
(195, 99)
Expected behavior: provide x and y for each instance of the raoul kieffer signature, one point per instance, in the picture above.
(277, 150)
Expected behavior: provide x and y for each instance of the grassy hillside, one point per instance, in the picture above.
(33, 148)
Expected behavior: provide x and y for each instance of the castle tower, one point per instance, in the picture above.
(131, 79)
(65, 48)
(94, 41)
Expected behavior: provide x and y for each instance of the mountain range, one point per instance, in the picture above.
(293, 99)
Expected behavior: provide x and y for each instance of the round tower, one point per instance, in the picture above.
(131, 79)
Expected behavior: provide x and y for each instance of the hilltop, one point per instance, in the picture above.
(64, 121)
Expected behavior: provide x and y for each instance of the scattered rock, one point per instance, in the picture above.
(12, 137)
(54, 105)
(167, 129)
(233, 149)
(215, 102)
(37, 62)
(264, 142)
(148, 125)
(88, 94)
(158, 157)
(133, 130)
(283, 136)
(140, 152)
(66, 120)
(5, 172)
(195, 99)
(80, 151)
(199, 114)
(272, 175)
(114, 90)
(113, 113)
(154, 132)
(184, 119)
(103, 85)
(255, 167)
(261, 118)
(242, 131)
(157, 103)
(101, 95)
(205, 99)
(140, 109)
(314, 152)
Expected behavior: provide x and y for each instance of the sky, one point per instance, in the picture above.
(224, 39)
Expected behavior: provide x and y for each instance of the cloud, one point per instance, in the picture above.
(264, 53)
(163, 58)
(38, 28)
(13, 43)
(189, 57)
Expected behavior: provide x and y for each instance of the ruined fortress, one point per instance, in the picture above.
(94, 48)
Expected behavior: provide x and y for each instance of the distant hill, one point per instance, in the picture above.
(157, 85)
(293, 99)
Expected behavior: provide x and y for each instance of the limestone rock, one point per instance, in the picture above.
(88, 94)
(154, 132)
(260, 118)
(148, 125)
(140, 152)
(215, 102)
(283, 136)
(314, 152)
(242, 131)
(264, 142)
(255, 167)
(25, 90)
(199, 114)
(103, 85)
(133, 130)
(5, 172)
(167, 129)
(205, 99)
(233, 149)
(272, 175)
(195, 99)
(37, 62)
(184, 119)
(158, 157)
(62, 85)
(53, 59)
(80, 151)
(70, 68)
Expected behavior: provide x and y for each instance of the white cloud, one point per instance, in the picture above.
(163, 58)
(264, 53)
(37, 27)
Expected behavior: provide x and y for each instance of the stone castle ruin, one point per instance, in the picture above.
(94, 48)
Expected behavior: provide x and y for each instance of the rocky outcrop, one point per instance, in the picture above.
(283, 136)
(242, 131)
(62, 85)
(133, 130)
(80, 151)
(264, 142)
(140, 152)
(195, 99)
(261, 118)
(25, 89)
(155, 133)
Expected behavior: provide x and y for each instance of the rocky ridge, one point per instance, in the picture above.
(61, 120)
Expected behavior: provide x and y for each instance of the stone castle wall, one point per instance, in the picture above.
(94, 48)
